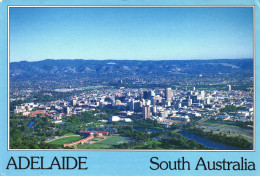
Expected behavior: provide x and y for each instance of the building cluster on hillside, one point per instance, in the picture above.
(167, 106)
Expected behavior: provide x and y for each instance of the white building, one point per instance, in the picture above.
(114, 119)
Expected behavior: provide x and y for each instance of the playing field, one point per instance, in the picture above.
(71, 134)
(104, 144)
(66, 140)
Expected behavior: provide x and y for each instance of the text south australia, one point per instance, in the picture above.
(201, 164)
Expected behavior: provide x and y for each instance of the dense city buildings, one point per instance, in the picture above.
(179, 105)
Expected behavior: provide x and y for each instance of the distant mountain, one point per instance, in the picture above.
(59, 69)
(52, 74)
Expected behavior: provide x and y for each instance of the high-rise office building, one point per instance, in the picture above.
(152, 93)
(207, 101)
(161, 93)
(189, 101)
(148, 94)
(168, 103)
(154, 109)
(168, 94)
(74, 102)
(202, 93)
(229, 88)
(132, 105)
(68, 110)
(154, 101)
(138, 106)
(146, 112)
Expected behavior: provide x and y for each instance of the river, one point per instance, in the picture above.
(202, 140)
(211, 143)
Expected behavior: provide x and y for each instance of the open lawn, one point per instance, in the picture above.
(71, 134)
(104, 144)
(92, 87)
(66, 140)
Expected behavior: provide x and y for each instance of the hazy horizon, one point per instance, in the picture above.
(131, 60)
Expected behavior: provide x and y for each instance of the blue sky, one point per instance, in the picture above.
(151, 33)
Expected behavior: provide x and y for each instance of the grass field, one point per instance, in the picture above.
(92, 87)
(66, 140)
(104, 144)
(70, 134)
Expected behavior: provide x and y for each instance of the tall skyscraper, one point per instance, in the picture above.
(207, 101)
(138, 105)
(202, 93)
(229, 88)
(148, 94)
(154, 109)
(154, 101)
(168, 94)
(168, 103)
(132, 105)
(152, 93)
(68, 110)
(146, 112)
(189, 101)
(74, 102)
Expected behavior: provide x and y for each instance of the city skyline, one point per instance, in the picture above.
(131, 33)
